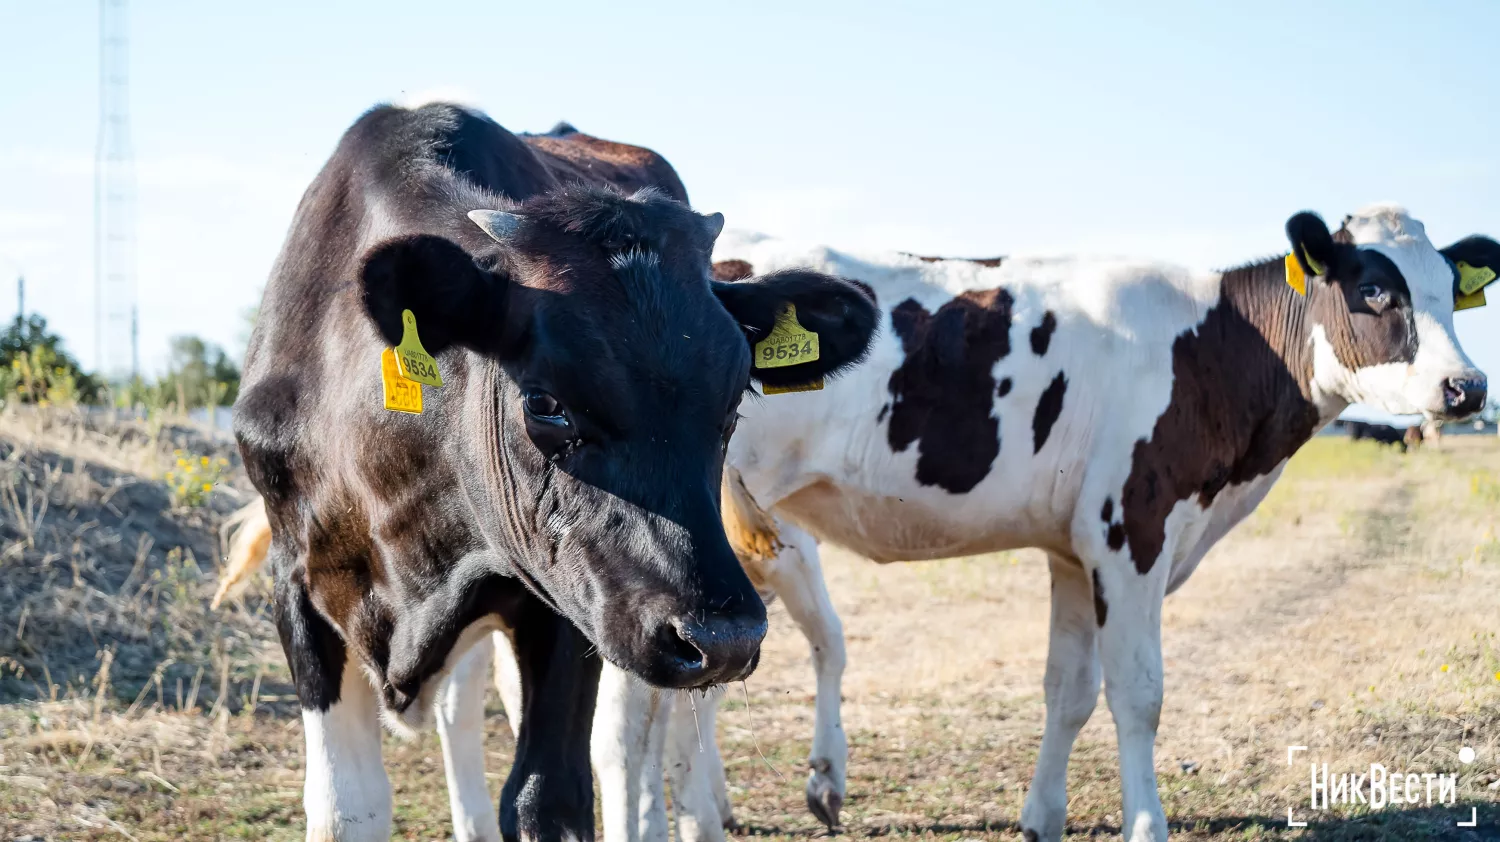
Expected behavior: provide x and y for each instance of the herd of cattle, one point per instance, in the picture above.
(636, 429)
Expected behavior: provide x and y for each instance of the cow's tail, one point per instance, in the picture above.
(248, 534)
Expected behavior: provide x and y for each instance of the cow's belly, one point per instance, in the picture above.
(887, 528)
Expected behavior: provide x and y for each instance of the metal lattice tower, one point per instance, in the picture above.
(116, 352)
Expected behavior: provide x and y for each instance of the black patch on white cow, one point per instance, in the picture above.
(1048, 408)
(943, 393)
(1101, 608)
(1004, 389)
(1041, 335)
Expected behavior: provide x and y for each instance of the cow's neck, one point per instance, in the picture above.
(1250, 361)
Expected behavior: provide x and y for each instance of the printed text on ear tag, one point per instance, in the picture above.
(401, 395)
(1295, 277)
(768, 389)
(416, 363)
(1469, 301)
(1472, 279)
(787, 344)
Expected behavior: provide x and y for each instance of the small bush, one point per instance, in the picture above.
(193, 479)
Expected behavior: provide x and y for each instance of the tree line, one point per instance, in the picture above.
(36, 368)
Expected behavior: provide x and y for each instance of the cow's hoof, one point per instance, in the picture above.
(825, 797)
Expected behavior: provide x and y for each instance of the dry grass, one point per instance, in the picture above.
(1326, 621)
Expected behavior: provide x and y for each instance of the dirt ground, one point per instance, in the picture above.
(1354, 614)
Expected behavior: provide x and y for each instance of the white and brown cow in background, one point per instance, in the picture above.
(1121, 416)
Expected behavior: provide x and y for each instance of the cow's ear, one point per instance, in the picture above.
(1477, 261)
(1312, 244)
(455, 300)
(841, 314)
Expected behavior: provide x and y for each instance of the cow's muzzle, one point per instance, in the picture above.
(712, 649)
(1464, 395)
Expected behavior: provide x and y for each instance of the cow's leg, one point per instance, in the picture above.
(346, 794)
(1130, 652)
(652, 812)
(690, 745)
(626, 746)
(549, 795)
(508, 680)
(460, 725)
(797, 578)
(1072, 690)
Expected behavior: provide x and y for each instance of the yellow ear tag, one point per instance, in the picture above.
(1295, 277)
(416, 363)
(1472, 279)
(401, 395)
(1469, 301)
(768, 389)
(787, 344)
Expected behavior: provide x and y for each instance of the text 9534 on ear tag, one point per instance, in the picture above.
(401, 395)
(416, 364)
(788, 343)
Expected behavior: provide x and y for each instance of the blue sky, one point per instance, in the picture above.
(1181, 131)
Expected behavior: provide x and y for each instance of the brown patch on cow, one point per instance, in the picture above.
(943, 393)
(986, 262)
(1107, 513)
(1048, 408)
(1237, 410)
(586, 159)
(733, 270)
(751, 531)
(1041, 335)
(1101, 608)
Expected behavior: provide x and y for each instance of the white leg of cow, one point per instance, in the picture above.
(1130, 651)
(655, 826)
(689, 745)
(460, 725)
(626, 754)
(508, 680)
(797, 578)
(346, 794)
(1072, 690)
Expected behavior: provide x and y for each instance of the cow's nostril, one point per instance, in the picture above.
(675, 639)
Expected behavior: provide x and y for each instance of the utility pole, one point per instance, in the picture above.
(115, 341)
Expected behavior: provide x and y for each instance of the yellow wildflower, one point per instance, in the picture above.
(204, 462)
(1443, 668)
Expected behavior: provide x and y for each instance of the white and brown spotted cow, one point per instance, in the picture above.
(1122, 417)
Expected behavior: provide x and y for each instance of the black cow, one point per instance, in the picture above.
(562, 482)
(1380, 433)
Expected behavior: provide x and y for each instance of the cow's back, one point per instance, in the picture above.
(996, 393)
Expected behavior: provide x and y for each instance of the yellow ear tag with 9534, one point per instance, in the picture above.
(416, 364)
(401, 395)
(788, 343)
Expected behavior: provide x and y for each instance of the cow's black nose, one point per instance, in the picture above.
(714, 649)
(1464, 395)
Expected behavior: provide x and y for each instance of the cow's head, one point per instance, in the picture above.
(1381, 309)
(611, 367)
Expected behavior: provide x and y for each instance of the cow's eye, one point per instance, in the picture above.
(1375, 295)
(544, 408)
